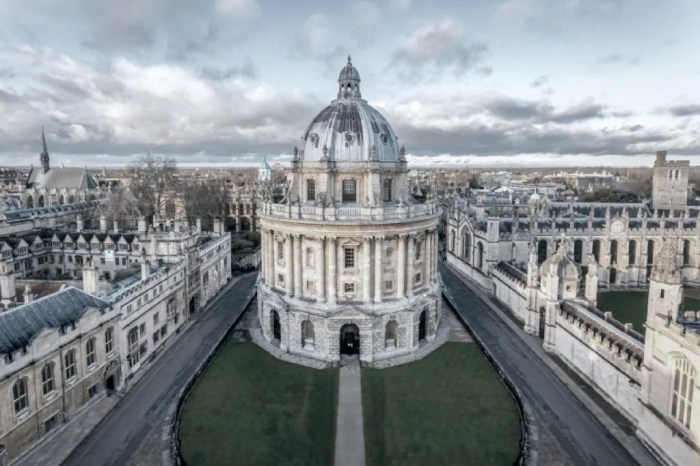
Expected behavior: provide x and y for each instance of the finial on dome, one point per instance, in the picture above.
(349, 60)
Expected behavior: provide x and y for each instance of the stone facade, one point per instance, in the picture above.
(670, 184)
(348, 256)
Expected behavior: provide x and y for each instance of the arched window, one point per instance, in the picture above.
(169, 208)
(650, 252)
(307, 334)
(613, 276)
(310, 190)
(90, 354)
(541, 251)
(613, 251)
(686, 252)
(40, 202)
(419, 249)
(71, 200)
(310, 257)
(632, 252)
(69, 364)
(390, 335)
(466, 245)
(684, 376)
(479, 256)
(578, 251)
(452, 241)
(596, 250)
(30, 202)
(47, 384)
(19, 395)
(60, 199)
(280, 250)
(109, 340)
(389, 256)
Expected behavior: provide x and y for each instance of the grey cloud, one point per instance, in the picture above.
(684, 110)
(436, 48)
(7, 72)
(245, 70)
(509, 108)
(540, 81)
(617, 59)
(582, 111)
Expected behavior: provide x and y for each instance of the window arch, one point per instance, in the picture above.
(578, 251)
(419, 250)
(109, 340)
(466, 245)
(20, 396)
(650, 252)
(90, 353)
(452, 241)
(47, 381)
(479, 256)
(307, 334)
(390, 335)
(686, 252)
(541, 251)
(596, 250)
(69, 364)
(684, 376)
(632, 252)
(613, 251)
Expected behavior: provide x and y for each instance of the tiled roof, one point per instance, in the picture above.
(20, 325)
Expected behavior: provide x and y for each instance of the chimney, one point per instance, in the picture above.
(103, 223)
(217, 227)
(116, 226)
(90, 279)
(7, 286)
(145, 270)
(79, 226)
(199, 225)
(28, 295)
(142, 224)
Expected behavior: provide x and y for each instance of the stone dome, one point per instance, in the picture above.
(349, 129)
(535, 198)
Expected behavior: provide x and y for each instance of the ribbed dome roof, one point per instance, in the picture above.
(349, 129)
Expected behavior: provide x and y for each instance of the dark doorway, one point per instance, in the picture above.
(613, 276)
(194, 304)
(541, 251)
(276, 328)
(421, 326)
(542, 322)
(109, 384)
(349, 339)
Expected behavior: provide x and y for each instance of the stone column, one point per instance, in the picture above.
(428, 261)
(401, 268)
(332, 256)
(263, 264)
(297, 266)
(366, 270)
(410, 262)
(378, 268)
(288, 262)
(321, 267)
(271, 245)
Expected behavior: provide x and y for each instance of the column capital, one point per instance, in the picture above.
(332, 239)
(379, 239)
(367, 239)
(403, 235)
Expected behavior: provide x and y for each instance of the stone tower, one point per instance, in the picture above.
(670, 184)
(665, 285)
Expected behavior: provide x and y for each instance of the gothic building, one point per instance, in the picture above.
(349, 255)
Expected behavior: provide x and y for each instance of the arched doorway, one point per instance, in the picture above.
(543, 315)
(349, 339)
(422, 326)
(194, 304)
(111, 376)
(613, 276)
(276, 327)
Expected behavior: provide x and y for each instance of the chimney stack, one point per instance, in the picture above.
(103, 223)
(79, 225)
(90, 279)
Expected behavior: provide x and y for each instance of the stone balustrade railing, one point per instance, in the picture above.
(351, 212)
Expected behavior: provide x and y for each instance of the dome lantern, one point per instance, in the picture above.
(349, 82)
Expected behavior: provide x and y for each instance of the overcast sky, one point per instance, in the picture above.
(566, 82)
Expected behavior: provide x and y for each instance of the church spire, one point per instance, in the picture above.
(44, 156)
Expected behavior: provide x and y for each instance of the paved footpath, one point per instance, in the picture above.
(564, 415)
(144, 406)
(349, 433)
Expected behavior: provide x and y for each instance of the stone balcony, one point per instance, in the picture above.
(351, 213)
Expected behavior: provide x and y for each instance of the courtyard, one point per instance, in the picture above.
(631, 306)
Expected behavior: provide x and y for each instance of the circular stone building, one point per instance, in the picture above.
(349, 254)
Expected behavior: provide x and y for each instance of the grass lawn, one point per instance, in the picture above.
(631, 306)
(252, 409)
(449, 408)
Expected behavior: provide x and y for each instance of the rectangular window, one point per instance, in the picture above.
(90, 351)
(349, 258)
(418, 278)
(388, 285)
(155, 318)
(310, 286)
(280, 279)
(142, 329)
(156, 337)
(387, 189)
(50, 423)
(349, 191)
(311, 190)
(280, 250)
(349, 288)
(92, 391)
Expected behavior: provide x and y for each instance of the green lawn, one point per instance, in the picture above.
(447, 409)
(631, 306)
(252, 409)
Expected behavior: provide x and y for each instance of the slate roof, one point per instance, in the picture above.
(20, 325)
(69, 177)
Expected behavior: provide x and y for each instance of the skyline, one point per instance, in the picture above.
(515, 83)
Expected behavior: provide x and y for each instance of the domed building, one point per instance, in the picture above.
(349, 256)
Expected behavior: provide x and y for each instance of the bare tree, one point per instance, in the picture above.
(151, 176)
(121, 205)
(206, 200)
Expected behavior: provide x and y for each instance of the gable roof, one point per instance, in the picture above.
(20, 325)
(69, 177)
